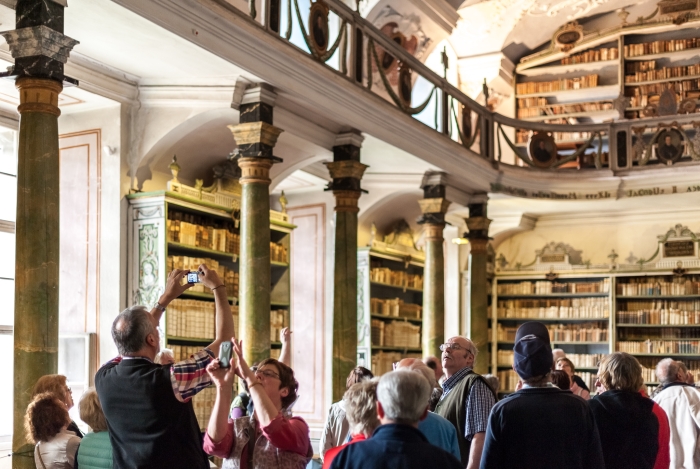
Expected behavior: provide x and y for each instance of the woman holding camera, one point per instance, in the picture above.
(270, 438)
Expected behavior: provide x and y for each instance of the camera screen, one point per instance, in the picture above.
(192, 277)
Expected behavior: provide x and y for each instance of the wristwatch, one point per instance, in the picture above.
(159, 306)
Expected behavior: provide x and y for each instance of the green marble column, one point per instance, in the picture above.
(478, 226)
(433, 332)
(255, 138)
(346, 171)
(40, 50)
(37, 251)
(345, 290)
(433, 206)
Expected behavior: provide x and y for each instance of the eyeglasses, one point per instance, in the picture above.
(267, 374)
(453, 346)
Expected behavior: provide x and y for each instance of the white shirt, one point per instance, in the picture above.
(336, 429)
(59, 452)
(682, 406)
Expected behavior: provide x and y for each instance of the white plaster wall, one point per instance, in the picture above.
(598, 236)
(109, 122)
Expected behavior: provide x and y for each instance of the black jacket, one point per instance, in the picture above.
(395, 447)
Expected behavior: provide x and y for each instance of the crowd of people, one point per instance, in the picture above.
(436, 412)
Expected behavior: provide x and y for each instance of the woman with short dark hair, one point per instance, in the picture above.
(634, 430)
(46, 423)
(560, 379)
(58, 385)
(270, 438)
(567, 365)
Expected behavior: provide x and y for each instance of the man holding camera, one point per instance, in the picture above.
(148, 406)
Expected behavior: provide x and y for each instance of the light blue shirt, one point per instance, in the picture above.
(441, 433)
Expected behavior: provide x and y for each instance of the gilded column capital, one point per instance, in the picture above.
(255, 170)
(347, 201)
(39, 95)
(250, 133)
(346, 169)
(434, 205)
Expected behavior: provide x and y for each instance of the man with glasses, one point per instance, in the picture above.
(148, 406)
(467, 399)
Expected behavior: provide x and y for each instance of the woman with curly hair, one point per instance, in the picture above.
(57, 385)
(46, 423)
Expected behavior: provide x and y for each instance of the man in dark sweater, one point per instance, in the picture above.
(148, 406)
(402, 401)
(540, 426)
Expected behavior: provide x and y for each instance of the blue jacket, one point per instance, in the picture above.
(440, 432)
(395, 446)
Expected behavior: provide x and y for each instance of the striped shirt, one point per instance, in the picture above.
(188, 377)
(479, 403)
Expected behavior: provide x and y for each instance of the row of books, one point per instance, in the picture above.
(556, 109)
(659, 286)
(279, 319)
(183, 352)
(597, 55)
(663, 73)
(397, 278)
(395, 307)
(208, 237)
(383, 362)
(633, 67)
(660, 346)
(630, 333)
(655, 89)
(532, 101)
(203, 404)
(659, 316)
(193, 319)
(572, 308)
(523, 136)
(561, 84)
(278, 253)
(545, 287)
(228, 276)
(580, 360)
(395, 334)
(657, 47)
(589, 332)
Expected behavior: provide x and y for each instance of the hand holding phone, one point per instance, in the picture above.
(225, 354)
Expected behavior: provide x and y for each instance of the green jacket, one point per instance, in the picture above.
(95, 451)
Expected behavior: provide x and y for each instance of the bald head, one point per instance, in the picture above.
(413, 364)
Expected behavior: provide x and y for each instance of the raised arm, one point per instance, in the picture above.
(173, 289)
(265, 409)
(217, 429)
(224, 316)
(286, 353)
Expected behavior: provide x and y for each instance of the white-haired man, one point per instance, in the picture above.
(402, 401)
(681, 402)
(438, 430)
(467, 399)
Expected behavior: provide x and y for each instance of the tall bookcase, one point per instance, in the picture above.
(576, 310)
(650, 309)
(179, 228)
(390, 300)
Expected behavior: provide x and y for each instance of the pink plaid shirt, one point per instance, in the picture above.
(188, 377)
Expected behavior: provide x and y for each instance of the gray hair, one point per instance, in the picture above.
(404, 396)
(472, 347)
(667, 371)
(130, 328)
(361, 407)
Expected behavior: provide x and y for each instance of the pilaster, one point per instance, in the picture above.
(478, 235)
(433, 207)
(40, 50)
(346, 171)
(255, 138)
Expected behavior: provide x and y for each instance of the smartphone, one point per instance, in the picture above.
(192, 277)
(225, 354)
